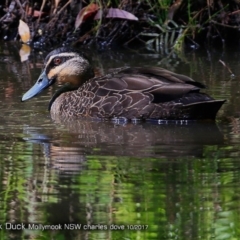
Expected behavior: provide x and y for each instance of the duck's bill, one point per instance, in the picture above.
(42, 83)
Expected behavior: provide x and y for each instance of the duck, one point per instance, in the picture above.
(129, 93)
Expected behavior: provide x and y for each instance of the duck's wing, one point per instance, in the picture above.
(144, 93)
(164, 85)
(163, 75)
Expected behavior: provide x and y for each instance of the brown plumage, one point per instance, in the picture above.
(130, 93)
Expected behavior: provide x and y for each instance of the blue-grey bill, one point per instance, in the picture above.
(42, 83)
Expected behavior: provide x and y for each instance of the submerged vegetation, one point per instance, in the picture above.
(158, 24)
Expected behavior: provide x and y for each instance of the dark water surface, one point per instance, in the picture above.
(168, 181)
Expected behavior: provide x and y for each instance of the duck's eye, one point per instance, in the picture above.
(57, 61)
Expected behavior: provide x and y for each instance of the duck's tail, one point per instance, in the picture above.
(203, 110)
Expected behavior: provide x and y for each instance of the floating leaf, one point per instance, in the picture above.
(24, 52)
(85, 13)
(117, 13)
(24, 31)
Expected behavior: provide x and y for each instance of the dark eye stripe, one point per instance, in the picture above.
(52, 64)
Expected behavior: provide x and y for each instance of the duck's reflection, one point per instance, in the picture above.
(92, 168)
(67, 150)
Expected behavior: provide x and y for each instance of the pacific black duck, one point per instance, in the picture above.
(128, 93)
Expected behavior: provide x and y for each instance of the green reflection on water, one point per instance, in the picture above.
(176, 198)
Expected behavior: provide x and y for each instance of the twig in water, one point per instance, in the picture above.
(224, 64)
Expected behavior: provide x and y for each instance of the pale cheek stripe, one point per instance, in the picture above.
(66, 68)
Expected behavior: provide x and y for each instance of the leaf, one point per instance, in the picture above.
(34, 13)
(117, 13)
(24, 52)
(24, 31)
(86, 13)
(173, 9)
(37, 13)
(56, 3)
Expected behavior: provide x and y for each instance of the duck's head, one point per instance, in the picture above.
(63, 65)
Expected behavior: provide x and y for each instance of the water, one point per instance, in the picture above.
(116, 181)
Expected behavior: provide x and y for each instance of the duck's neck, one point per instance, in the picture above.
(65, 88)
(74, 83)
